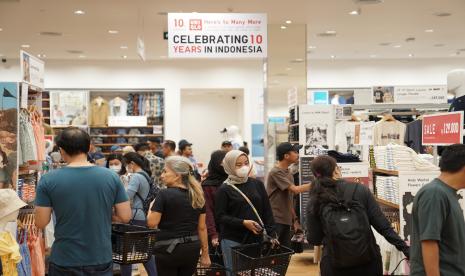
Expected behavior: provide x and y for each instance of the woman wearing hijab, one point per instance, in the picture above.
(237, 220)
(216, 177)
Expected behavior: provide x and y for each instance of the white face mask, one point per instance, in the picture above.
(243, 171)
(116, 168)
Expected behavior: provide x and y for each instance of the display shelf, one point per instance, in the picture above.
(126, 135)
(387, 203)
(385, 172)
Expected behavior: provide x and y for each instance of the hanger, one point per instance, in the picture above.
(387, 117)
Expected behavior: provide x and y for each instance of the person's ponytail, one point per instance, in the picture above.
(195, 192)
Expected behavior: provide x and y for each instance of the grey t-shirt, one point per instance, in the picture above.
(138, 184)
(437, 216)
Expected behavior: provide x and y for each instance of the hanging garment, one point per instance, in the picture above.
(99, 112)
(39, 134)
(386, 132)
(9, 254)
(37, 256)
(24, 267)
(130, 104)
(413, 136)
(26, 138)
(118, 107)
(136, 105)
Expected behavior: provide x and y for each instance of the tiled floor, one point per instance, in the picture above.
(301, 265)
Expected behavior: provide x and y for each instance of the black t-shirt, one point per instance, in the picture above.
(179, 218)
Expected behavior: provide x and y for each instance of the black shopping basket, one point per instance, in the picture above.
(132, 244)
(260, 260)
(216, 268)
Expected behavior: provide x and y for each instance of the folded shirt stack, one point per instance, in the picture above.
(387, 188)
(400, 158)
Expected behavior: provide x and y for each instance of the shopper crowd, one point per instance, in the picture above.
(198, 212)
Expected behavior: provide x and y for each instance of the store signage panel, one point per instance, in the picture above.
(217, 35)
(127, 121)
(420, 94)
(442, 129)
(32, 70)
(318, 97)
(409, 185)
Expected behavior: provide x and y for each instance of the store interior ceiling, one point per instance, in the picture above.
(336, 29)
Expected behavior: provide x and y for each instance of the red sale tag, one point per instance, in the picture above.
(442, 129)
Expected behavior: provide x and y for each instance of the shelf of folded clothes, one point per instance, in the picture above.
(387, 203)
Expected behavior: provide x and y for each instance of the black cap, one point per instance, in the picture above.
(226, 143)
(183, 144)
(286, 147)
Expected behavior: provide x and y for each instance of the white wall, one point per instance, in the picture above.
(366, 73)
(204, 114)
(168, 74)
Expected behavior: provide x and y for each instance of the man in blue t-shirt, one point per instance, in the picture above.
(82, 196)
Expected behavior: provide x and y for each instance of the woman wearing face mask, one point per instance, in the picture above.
(237, 221)
(179, 213)
(138, 190)
(328, 187)
(115, 163)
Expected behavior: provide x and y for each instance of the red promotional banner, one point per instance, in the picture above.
(442, 129)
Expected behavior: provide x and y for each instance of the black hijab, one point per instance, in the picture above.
(216, 173)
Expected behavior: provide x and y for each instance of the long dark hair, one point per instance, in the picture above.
(118, 156)
(324, 186)
(139, 160)
(4, 156)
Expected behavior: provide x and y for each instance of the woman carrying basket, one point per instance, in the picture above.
(238, 222)
(179, 213)
(138, 190)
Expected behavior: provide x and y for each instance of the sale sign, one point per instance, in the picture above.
(442, 129)
(217, 35)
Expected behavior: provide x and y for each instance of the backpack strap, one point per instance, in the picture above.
(349, 192)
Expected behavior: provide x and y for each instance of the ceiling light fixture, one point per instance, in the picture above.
(283, 27)
(411, 55)
(311, 47)
(41, 56)
(113, 32)
(1, 29)
(82, 56)
(429, 31)
(79, 12)
(123, 47)
(331, 32)
(397, 46)
(25, 46)
(355, 12)
(124, 57)
(333, 56)
(288, 22)
(288, 69)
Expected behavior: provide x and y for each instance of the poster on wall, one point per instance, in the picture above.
(8, 134)
(420, 94)
(316, 129)
(69, 108)
(409, 184)
(383, 94)
(32, 70)
(318, 97)
(217, 35)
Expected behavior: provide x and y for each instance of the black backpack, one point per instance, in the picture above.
(153, 192)
(347, 230)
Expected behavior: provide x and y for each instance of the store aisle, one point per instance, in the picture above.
(301, 265)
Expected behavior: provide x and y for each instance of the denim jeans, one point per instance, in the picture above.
(226, 247)
(91, 270)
